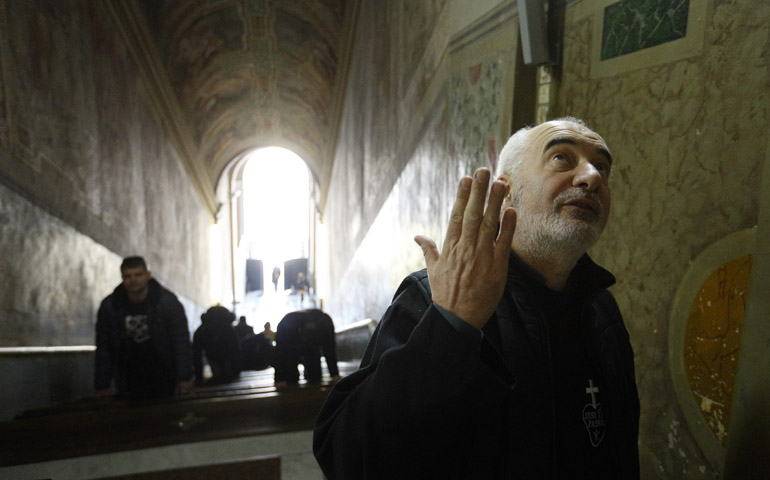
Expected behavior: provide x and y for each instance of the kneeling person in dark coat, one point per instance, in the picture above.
(302, 337)
(216, 339)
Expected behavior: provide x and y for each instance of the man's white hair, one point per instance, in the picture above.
(514, 151)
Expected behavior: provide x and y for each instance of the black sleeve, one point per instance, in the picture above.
(410, 406)
(179, 335)
(105, 355)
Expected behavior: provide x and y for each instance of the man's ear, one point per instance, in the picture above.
(508, 188)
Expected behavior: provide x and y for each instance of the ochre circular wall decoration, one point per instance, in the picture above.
(712, 341)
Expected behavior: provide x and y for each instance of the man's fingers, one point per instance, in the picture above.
(489, 225)
(429, 250)
(455, 228)
(474, 211)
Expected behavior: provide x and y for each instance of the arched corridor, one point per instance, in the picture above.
(126, 128)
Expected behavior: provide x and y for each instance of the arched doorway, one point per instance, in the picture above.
(267, 219)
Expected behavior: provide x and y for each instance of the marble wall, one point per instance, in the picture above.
(687, 122)
(688, 137)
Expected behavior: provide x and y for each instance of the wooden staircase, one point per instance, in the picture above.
(250, 406)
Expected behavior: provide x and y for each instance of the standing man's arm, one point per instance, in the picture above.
(468, 277)
(409, 409)
(105, 356)
(179, 334)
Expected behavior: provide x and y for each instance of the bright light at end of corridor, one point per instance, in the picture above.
(276, 191)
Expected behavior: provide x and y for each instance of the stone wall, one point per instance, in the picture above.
(89, 176)
(411, 128)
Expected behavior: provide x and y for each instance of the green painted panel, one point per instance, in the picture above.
(632, 25)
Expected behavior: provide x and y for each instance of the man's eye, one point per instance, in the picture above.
(560, 157)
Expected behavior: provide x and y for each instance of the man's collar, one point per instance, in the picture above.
(586, 277)
(518, 269)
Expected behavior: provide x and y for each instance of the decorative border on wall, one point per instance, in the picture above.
(733, 246)
(688, 46)
(480, 88)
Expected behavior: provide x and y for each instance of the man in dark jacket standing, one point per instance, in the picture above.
(142, 339)
(508, 358)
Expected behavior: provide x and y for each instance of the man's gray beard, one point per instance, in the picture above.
(549, 236)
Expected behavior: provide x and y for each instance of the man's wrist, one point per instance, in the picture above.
(458, 323)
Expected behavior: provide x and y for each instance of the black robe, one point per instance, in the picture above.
(431, 402)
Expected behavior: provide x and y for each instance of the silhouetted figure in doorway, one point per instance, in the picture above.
(302, 286)
(243, 329)
(268, 332)
(276, 276)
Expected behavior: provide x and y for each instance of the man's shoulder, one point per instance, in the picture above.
(116, 297)
(415, 287)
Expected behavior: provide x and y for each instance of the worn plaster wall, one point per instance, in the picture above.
(383, 114)
(88, 173)
(427, 112)
(688, 131)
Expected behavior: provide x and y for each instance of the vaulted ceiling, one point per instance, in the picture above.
(254, 73)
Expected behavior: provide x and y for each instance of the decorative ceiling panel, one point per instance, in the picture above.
(253, 73)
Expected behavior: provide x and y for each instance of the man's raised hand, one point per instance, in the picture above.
(468, 277)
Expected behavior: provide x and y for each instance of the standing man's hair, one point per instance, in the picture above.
(513, 152)
(133, 262)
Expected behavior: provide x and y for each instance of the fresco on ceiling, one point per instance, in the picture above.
(292, 34)
(314, 97)
(713, 339)
(228, 95)
(300, 43)
(285, 51)
(259, 8)
(220, 32)
(156, 12)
